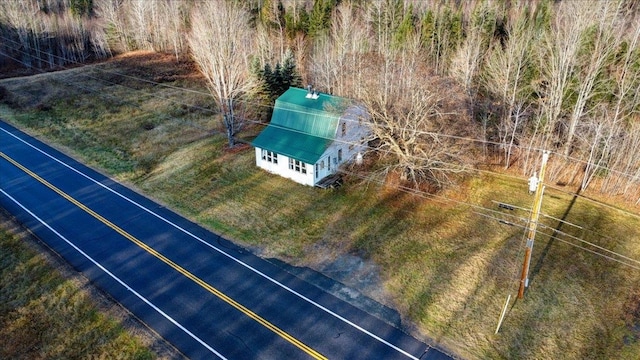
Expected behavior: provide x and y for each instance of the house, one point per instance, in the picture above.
(310, 136)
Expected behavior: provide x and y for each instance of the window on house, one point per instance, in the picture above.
(329, 163)
(344, 128)
(269, 156)
(322, 165)
(339, 155)
(297, 166)
(316, 170)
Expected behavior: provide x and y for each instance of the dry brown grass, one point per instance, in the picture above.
(44, 315)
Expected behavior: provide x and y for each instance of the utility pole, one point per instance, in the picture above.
(533, 224)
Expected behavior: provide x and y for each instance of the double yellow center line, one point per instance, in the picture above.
(313, 353)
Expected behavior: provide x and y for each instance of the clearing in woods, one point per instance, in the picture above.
(444, 262)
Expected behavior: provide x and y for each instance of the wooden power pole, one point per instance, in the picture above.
(533, 224)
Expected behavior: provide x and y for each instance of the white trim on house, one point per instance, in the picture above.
(297, 171)
(343, 149)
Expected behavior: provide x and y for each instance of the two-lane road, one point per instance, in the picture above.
(203, 294)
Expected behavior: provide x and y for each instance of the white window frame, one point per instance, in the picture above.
(269, 156)
(297, 166)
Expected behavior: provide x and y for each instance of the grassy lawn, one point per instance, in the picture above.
(445, 265)
(46, 316)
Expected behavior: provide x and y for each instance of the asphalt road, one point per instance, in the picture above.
(205, 295)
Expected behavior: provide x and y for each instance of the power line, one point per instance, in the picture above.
(522, 223)
(555, 237)
(453, 165)
(256, 103)
(595, 201)
(559, 232)
(262, 123)
(162, 115)
(401, 188)
(428, 133)
(257, 122)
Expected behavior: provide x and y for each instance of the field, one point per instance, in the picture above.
(48, 314)
(444, 261)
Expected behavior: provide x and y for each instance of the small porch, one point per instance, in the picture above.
(332, 181)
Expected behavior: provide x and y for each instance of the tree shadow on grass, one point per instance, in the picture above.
(556, 232)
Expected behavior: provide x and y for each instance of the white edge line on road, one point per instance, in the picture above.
(356, 326)
(115, 277)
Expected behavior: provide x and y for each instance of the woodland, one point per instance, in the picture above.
(463, 97)
(449, 85)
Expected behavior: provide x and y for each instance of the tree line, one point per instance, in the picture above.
(449, 85)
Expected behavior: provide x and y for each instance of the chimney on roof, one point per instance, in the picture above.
(312, 93)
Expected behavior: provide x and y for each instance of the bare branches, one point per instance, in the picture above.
(556, 75)
(408, 119)
(505, 74)
(220, 43)
(44, 39)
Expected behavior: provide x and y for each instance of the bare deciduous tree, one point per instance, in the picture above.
(625, 158)
(504, 75)
(47, 34)
(416, 123)
(221, 42)
(557, 53)
(598, 48)
(337, 65)
(112, 14)
(597, 136)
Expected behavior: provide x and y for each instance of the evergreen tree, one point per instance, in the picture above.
(271, 14)
(320, 17)
(296, 24)
(81, 7)
(484, 21)
(428, 29)
(275, 81)
(542, 16)
(289, 74)
(267, 76)
(405, 29)
(277, 86)
(261, 93)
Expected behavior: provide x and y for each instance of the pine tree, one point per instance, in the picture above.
(296, 21)
(289, 74)
(277, 83)
(405, 29)
(320, 17)
(261, 93)
(81, 7)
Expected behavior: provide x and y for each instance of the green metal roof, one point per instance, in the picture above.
(301, 128)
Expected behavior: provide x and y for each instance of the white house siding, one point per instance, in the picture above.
(282, 168)
(352, 142)
(322, 168)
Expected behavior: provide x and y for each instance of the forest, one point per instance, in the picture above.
(450, 86)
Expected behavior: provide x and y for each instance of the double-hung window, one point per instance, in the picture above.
(297, 166)
(270, 156)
